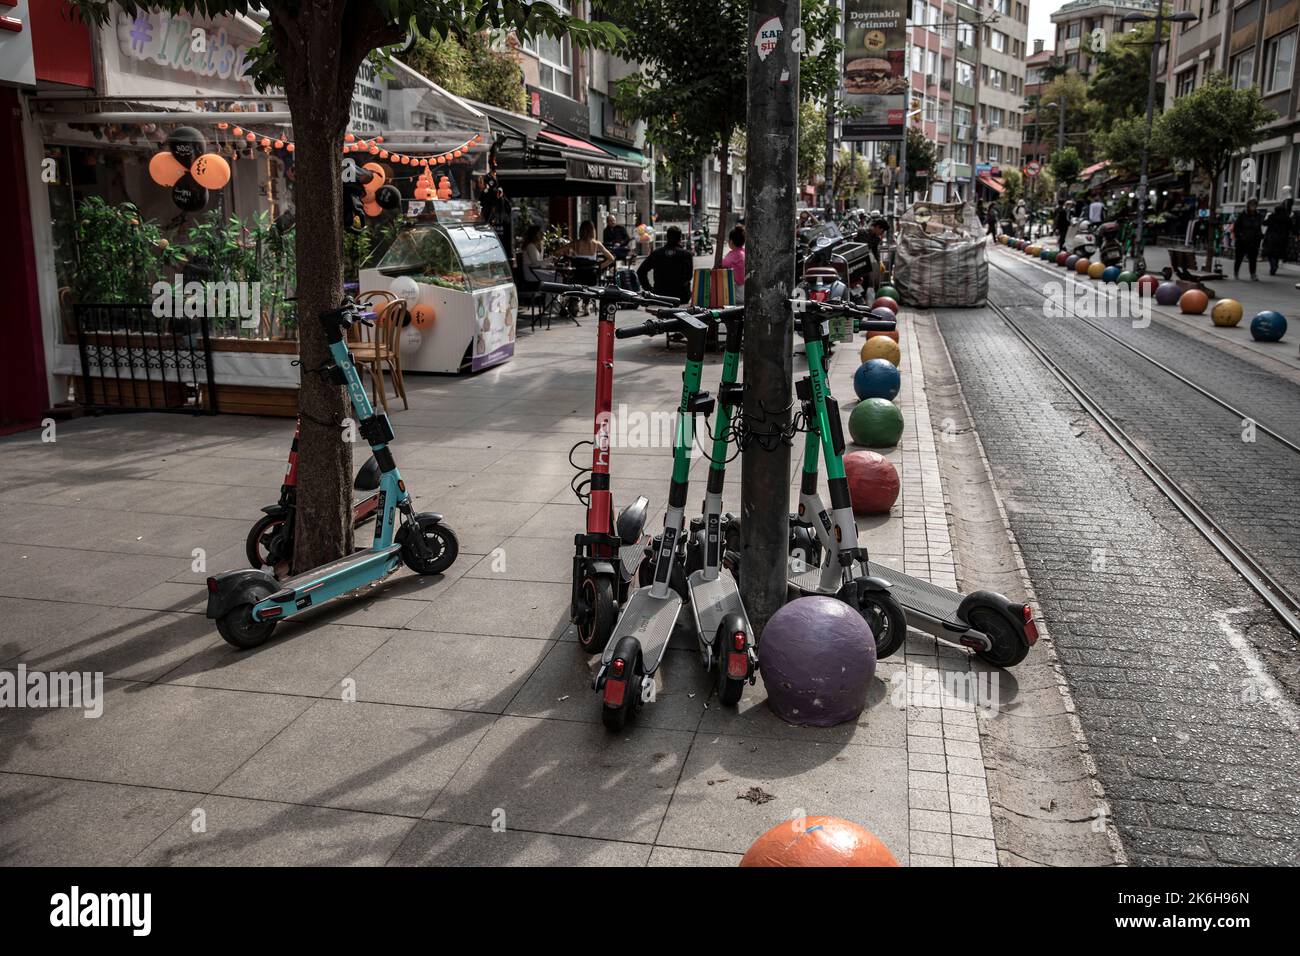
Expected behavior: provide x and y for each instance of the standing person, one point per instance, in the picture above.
(1277, 236)
(993, 219)
(672, 267)
(1096, 211)
(1247, 229)
(735, 260)
(1062, 223)
(1021, 216)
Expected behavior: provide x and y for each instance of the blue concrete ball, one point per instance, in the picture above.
(876, 378)
(1268, 326)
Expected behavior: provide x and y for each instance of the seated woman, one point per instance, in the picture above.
(588, 257)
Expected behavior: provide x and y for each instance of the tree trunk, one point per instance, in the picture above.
(1213, 224)
(724, 202)
(320, 46)
(771, 164)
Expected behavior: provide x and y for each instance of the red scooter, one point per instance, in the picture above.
(607, 555)
(270, 540)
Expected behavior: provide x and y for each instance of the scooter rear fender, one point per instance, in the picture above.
(231, 588)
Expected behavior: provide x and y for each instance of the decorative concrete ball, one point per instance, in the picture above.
(1095, 270)
(876, 378)
(1071, 261)
(883, 314)
(892, 335)
(1226, 313)
(1148, 284)
(1127, 278)
(873, 482)
(819, 657)
(885, 302)
(876, 423)
(1062, 257)
(1268, 326)
(1047, 255)
(818, 841)
(1110, 274)
(404, 287)
(882, 347)
(1082, 266)
(1168, 293)
(1193, 302)
(888, 292)
(423, 315)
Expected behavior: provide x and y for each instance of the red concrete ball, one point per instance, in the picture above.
(873, 482)
(885, 302)
(818, 841)
(1061, 257)
(1148, 284)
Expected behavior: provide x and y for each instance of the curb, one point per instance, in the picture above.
(1039, 836)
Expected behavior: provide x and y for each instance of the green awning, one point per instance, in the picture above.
(622, 152)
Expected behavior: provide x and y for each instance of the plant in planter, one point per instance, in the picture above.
(120, 255)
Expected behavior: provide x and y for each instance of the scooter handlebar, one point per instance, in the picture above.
(607, 293)
(651, 327)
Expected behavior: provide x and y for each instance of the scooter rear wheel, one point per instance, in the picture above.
(264, 546)
(886, 618)
(1009, 644)
(440, 542)
(597, 623)
(237, 627)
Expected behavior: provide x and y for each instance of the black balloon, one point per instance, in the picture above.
(187, 144)
(388, 197)
(188, 195)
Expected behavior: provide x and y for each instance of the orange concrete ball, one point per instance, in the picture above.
(1193, 302)
(818, 841)
(1082, 265)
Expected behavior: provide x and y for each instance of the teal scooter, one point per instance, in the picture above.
(247, 604)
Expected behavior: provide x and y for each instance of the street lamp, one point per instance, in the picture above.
(1185, 16)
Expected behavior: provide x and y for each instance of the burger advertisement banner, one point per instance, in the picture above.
(875, 68)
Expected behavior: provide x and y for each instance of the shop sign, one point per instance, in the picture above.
(567, 114)
(615, 126)
(369, 102)
(593, 170)
(178, 45)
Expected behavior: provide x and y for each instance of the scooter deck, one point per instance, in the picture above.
(928, 607)
(356, 559)
(712, 600)
(651, 621)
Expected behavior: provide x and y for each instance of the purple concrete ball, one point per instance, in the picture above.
(1168, 293)
(817, 658)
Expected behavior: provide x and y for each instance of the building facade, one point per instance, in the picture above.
(1083, 27)
(1038, 142)
(1001, 91)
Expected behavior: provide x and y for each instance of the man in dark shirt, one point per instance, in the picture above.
(615, 238)
(672, 268)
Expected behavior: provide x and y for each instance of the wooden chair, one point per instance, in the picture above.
(380, 346)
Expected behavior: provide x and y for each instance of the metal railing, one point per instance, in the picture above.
(132, 360)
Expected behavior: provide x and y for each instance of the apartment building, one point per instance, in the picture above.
(1038, 142)
(1255, 43)
(1082, 24)
(1001, 90)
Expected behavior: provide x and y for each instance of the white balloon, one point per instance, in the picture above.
(412, 339)
(404, 287)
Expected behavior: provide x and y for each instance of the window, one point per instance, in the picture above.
(916, 59)
(555, 57)
(965, 74)
(997, 117)
(965, 34)
(961, 115)
(1184, 82)
(918, 12)
(998, 79)
(1266, 172)
(995, 153)
(1243, 69)
(1279, 63)
(1002, 6)
(998, 41)
(1074, 30)
(931, 110)
(931, 61)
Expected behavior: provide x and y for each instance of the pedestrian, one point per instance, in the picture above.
(1021, 215)
(669, 269)
(1062, 223)
(1247, 229)
(1096, 211)
(735, 259)
(993, 219)
(1277, 236)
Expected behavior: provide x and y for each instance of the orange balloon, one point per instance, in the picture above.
(422, 316)
(818, 841)
(378, 180)
(379, 139)
(238, 131)
(279, 144)
(374, 150)
(289, 148)
(211, 171)
(349, 138)
(372, 208)
(165, 169)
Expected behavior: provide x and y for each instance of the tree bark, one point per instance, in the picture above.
(320, 46)
(724, 202)
(1213, 224)
(771, 167)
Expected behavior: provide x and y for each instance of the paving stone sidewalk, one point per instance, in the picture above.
(473, 708)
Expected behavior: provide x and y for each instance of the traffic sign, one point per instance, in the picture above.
(1032, 169)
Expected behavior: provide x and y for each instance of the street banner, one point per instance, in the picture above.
(875, 69)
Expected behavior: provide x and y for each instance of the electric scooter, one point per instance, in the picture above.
(270, 540)
(246, 604)
(997, 629)
(608, 554)
(627, 670)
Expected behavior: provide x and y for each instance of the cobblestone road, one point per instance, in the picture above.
(1184, 681)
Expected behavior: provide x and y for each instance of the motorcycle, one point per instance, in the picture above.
(701, 242)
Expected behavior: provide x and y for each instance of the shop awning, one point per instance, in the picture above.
(993, 184)
(623, 152)
(571, 142)
(1094, 168)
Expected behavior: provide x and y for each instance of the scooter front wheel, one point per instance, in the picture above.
(237, 627)
(265, 546)
(885, 616)
(441, 546)
(1009, 644)
(596, 621)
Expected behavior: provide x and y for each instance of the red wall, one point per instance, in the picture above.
(60, 44)
(23, 395)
